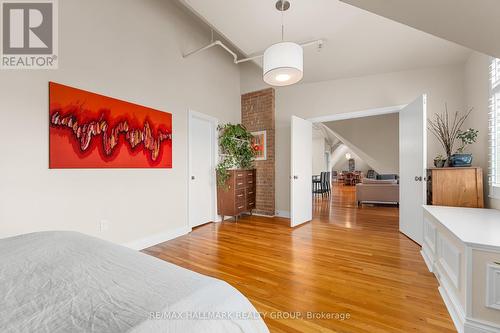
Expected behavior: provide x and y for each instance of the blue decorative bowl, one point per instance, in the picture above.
(461, 160)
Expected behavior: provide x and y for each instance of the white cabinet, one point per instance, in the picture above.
(462, 248)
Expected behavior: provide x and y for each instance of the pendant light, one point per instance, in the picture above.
(284, 61)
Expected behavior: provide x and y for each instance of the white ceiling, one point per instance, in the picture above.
(473, 23)
(358, 42)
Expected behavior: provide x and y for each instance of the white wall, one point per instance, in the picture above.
(377, 137)
(442, 84)
(318, 155)
(340, 163)
(477, 97)
(126, 49)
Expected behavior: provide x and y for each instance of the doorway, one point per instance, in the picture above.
(202, 157)
(412, 163)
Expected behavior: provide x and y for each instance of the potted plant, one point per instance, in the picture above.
(446, 129)
(461, 159)
(439, 161)
(235, 150)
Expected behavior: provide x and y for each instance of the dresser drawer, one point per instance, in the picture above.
(251, 204)
(250, 182)
(240, 194)
(239, 174)
(250, 199)
(240, 183)
(240, 207)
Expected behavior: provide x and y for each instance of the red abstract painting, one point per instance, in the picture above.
(88, 130)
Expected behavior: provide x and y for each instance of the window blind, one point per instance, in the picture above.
(494, 128)
(495, 73)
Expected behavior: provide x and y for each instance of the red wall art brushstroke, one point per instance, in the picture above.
(88, 130)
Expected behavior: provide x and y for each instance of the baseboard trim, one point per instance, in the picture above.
(151, 240)
(263, 215)
(427, 260)
(479, 326)
(456, 315)
(283, 213)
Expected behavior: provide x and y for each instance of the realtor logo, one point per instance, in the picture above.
(29, 34)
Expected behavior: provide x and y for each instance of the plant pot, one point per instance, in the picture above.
(439, 163)
(461, 160)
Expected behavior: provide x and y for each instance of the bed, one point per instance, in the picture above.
(65, 281)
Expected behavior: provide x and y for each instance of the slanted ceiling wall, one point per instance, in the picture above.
(131, 50)
(374, 139)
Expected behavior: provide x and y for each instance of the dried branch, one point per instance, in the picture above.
(447, 132)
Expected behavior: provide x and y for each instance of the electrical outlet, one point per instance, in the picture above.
(103, 225)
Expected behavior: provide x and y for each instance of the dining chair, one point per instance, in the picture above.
(323, 183)
(348, 178)
(334, 176)
(371, 174)
(328, 183)
(340, 178)
(316, 184)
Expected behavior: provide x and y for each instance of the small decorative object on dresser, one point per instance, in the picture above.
(439, 161)
(461, 159)
(457, 187)
(238, 193)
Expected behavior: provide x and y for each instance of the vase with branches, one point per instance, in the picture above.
(447, 129)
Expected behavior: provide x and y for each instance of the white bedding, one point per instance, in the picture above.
(68, 282)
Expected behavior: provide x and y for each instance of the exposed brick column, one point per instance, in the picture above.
(257, 114)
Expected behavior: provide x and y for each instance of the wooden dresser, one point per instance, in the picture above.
(457, 187)
(238, 196)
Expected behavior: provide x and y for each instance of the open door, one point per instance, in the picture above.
(202, 152)
(301, 172)
(412, 165)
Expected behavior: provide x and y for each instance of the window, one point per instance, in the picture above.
(494, 128)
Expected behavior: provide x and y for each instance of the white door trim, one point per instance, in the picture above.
(214, 142)
(357, 114)
(344, 116)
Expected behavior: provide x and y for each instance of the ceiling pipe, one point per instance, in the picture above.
(318, 42)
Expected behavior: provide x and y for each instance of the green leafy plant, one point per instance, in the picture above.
(467, 137)
(235, 150)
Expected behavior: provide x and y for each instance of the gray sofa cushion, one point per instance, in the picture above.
(379, 181)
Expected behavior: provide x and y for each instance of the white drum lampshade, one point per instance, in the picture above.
(283, 64)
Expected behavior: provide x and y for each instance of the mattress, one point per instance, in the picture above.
(68, 282)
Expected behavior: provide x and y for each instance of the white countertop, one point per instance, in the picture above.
(473, 226)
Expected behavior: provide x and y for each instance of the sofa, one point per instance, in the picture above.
(378, 191)
(386, 176)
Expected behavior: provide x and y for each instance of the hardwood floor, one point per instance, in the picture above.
(347, 260)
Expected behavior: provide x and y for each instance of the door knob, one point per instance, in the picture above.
(192, 177)
(295, 177)
(418, 178)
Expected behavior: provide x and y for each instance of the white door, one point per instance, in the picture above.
(301, 172)
(201, 168)
(412, 165)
